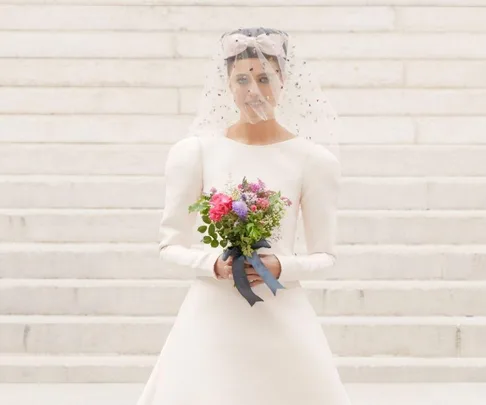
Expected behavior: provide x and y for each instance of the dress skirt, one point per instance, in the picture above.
(222, 351)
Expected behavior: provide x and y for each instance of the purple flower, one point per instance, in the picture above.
(240, 208)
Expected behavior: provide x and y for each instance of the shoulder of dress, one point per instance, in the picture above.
(319, 160)
(185, 147)
(317, 153)
(186, 142)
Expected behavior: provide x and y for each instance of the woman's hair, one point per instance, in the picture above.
(251, 52)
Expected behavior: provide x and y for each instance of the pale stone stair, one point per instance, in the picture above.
(348, 336)
(164, 297)
(141, 261)
(85, 368)
(84, 134)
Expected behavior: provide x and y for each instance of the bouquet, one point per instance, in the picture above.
(242, 219)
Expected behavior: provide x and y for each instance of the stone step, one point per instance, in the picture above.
(195, 18)
(129, 393)
(149, 159)
(141, 261)
(83, 368)
(188, 73)
(327, 46)
(164, 297)
(141, 225)
(468, 193)
(347, 336)
(140, 129)
(172, 100)
(315, 16)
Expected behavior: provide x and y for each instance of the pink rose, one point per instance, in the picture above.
(221, 204)
(215, 214)
(253, 207)
(221, 199)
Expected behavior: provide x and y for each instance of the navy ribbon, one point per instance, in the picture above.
(239, 274)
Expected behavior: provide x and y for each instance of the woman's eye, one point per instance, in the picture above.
(264, 79)
(242, 80)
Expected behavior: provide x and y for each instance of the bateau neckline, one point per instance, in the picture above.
(250, 145)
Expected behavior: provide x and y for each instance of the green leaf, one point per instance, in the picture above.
(193, 207)
(212, 230)
(202, 228)
(223, 243)
(206, 219)
(199, 205)
(208, 239)
(214, 243)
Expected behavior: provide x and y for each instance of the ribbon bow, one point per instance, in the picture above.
(271, 44)
(239, 273)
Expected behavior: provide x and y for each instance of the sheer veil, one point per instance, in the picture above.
(287, 88)
(255, 75)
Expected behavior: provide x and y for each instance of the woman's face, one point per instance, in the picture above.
(256, 87)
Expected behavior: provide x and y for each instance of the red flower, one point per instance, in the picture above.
(253, 207)
(215, 215)
(221, 205)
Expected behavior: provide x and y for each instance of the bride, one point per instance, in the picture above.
(261, 116)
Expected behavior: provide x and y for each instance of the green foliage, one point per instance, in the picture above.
(233, 231)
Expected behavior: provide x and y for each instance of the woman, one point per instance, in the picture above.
(261, 116)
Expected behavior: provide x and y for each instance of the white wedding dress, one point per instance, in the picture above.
(221, 350)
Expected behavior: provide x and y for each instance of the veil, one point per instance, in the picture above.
(255, 75)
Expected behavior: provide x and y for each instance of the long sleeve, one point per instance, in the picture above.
(183, 186)
(319, 197)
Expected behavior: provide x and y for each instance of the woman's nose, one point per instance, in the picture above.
(253, 88)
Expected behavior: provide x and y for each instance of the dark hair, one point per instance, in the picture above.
(251, 52)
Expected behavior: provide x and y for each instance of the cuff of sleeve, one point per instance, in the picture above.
(210, 267)
(289, 267)
(306, 267)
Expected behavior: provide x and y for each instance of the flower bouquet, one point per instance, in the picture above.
(241, 219)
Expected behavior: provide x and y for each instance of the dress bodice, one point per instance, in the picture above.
(305, 172)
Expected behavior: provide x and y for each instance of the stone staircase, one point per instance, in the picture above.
(91, 98)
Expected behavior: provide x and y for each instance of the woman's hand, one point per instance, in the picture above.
(270, 262)
(223, 268)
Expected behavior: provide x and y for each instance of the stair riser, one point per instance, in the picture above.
(149, 159)
(140, 374)
(113, 193)
(142, 262)
(142, 226)
(117, 300)
(370, 339)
